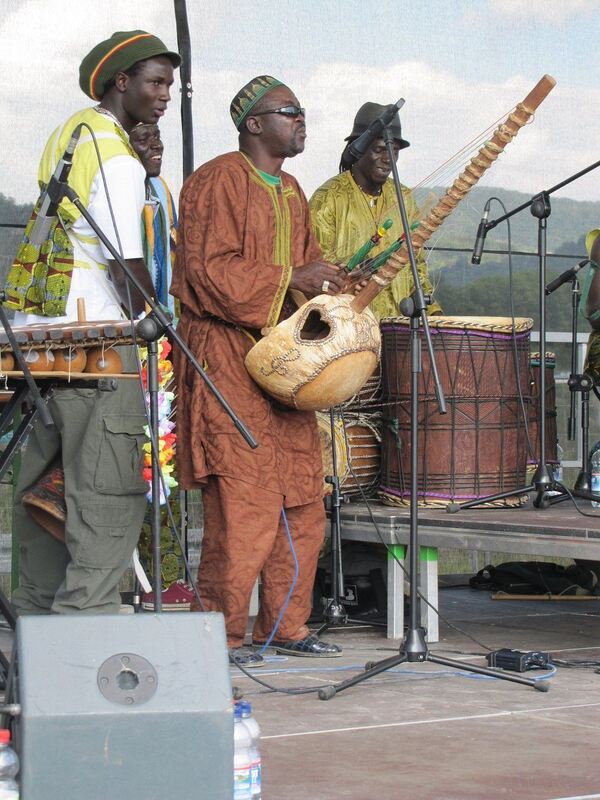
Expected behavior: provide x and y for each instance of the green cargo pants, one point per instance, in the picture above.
(99, 437)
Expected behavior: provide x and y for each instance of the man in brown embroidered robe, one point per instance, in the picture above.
(244, 240)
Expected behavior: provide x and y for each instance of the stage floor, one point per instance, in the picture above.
(424, 732)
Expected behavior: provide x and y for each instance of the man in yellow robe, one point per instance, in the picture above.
(348, 209)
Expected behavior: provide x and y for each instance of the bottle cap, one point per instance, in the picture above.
(4, 736)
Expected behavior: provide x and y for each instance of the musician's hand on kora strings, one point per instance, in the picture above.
(351, 285)
(356, 287)
(317, 277)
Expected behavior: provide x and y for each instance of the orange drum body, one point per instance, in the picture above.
(358, 452)
(71, 359)
(479, 447)
(363, 445)
(534, 410)
(341, 457)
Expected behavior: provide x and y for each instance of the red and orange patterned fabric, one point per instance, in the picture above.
(238, 239)
(257, 543)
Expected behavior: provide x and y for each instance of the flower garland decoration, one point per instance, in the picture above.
(166, 436)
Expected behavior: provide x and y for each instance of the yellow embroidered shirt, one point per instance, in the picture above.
(343, 219)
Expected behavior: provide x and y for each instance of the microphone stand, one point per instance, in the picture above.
(26, 391)
(156, 487)
(584, 383)
(335, 613)
(414, 648)
(542, 481)
(151, 328)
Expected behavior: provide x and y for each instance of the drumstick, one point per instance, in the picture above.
(81, 309)
(368, 245)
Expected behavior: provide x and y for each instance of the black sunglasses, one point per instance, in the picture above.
(287, 111)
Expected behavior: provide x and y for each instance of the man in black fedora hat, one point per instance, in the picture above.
(348, 209)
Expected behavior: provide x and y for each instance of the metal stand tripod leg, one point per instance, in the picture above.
(335, 613)
(153, 395)
(579, 382)
(584, 384)
(583, 485)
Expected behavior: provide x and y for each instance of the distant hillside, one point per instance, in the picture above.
(569, 219)
(466, 289)
(461, 287)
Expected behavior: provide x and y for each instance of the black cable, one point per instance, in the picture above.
(531, 254)
(511, 297)
(574, 501)
(575, 664)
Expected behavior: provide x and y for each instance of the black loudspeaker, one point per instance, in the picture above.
(129, 707)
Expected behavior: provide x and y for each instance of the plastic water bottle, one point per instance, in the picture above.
(595, 470)
(9, 766)
(255, 760)
(594, 449)
(557, 472)
(241, 757)
(558, 469)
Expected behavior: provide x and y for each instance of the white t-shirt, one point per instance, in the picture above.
(90, 280)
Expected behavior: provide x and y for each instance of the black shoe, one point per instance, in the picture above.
(245, 657)
(310, 647)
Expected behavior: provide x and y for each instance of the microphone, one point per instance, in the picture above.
(359, 147)
(566, 276)
(53, 193)
(481, 234)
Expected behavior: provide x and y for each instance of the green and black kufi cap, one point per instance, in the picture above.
(249, 95)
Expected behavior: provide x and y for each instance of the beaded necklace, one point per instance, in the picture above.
(105, 112)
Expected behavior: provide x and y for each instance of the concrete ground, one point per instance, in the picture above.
(428, 732)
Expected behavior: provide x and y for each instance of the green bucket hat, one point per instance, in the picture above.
(249, 95)
(118, 54)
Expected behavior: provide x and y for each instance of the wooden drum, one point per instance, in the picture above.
(341, 457)
(363, 445)
(358, 452)
(479, 447)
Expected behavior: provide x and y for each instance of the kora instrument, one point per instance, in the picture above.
(325, 352)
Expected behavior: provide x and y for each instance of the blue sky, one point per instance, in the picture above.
(459, 65)
(476, 39)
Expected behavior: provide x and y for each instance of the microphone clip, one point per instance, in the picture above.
(482, 231)
(56, 189)
(565, 277)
